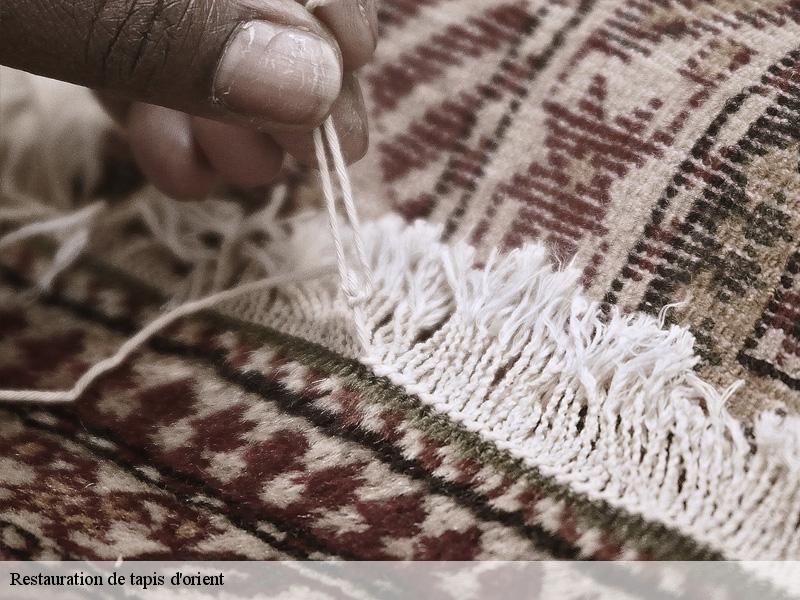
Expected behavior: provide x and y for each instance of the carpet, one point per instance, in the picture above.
(581, 338)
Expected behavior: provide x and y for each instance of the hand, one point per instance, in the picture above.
(206, 89)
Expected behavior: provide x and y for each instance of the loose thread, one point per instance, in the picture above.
(56, 225)
(354, 288)
(137, 341)
(349, 203)
(75, 227)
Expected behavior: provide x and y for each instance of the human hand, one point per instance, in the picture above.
(205, 89)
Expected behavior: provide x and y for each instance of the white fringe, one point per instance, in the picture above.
(609, 405)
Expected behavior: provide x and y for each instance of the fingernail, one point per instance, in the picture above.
(278, 74)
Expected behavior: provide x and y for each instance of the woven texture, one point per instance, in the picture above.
(653, 144)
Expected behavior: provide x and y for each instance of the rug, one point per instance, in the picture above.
(580, 339)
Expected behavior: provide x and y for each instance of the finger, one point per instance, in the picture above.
(350, 118)
(163, 145)
(241, 156)
(256, 62)
(355, 25)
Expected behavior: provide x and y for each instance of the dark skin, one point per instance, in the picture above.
(206, 90)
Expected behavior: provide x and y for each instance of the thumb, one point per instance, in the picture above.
(263, 63)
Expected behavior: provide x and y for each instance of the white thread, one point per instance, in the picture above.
(355, 288)
(74, 230)
(159, 324)
(166, 226)
(51, 226)
(349, 205)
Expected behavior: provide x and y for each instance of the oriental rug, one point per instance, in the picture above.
(581, 339)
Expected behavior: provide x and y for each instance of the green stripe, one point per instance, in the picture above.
(658, 541)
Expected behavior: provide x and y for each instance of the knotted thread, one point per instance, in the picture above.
(355, 286)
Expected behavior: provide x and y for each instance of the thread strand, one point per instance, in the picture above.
(159, 324)
(354, 287)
